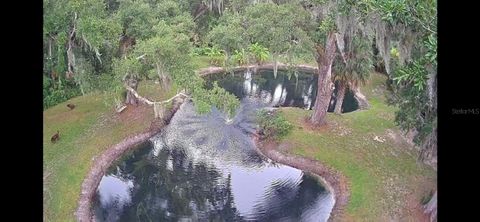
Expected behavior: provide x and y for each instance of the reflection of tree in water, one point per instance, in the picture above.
(168, 185)
(287, 201)
(300, 89)
(296, 87)
(183, 191)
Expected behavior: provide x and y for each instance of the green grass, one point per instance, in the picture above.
(154, 92)
(201, 62)
(380, 174)
(85, 132)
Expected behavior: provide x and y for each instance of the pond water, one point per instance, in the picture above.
(207, 168)
(289, 88)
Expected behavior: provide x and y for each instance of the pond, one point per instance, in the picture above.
(207, 168)
(289, 88)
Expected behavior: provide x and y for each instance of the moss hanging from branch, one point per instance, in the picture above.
(159, 107)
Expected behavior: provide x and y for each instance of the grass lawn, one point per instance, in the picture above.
(85, 132)
(201, 62)
(384, 177)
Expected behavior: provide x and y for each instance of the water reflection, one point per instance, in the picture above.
(296, 89)
(209, 191)
(115, 192)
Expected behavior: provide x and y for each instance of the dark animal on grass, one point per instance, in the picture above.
(54, 75)
(71, 106)
(55, 137)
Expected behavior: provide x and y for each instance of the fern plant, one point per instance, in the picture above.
(240, 57)
(259, 52)
(215, 55)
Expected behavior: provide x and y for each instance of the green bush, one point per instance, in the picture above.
(273, 125)
(200, 51)
(58, 94)
(215, 55)
(259, 52)
(240, 57)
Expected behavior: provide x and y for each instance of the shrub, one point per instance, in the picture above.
(55, 95)
(215, 55)
(201, 51)
(273, 125)
(240, 57)
(259, 52)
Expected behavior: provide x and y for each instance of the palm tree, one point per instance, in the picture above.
(354, 69)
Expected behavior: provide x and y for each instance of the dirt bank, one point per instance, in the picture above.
(256, 67)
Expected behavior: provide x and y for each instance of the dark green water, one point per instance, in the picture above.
(166, 185)
(287, 89)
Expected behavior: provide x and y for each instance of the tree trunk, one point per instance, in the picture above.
(53, 74)
(131, 99)
(165, 81)
(324, 59)
(70, 55)
(50, 48)
(428, 152)
(431, 208)
(159, 110)
(162, 77)
(340, 96)
(70, 59)
(126, 43)
(81, 89)
(199, 11)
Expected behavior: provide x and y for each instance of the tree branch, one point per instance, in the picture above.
(341, 47)
(70, 54)
(168, 100)
(147, 101)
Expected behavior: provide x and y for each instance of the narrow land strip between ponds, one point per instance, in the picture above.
(257, 67)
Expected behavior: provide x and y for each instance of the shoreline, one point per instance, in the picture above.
(334, 181)
(255, 67)
(358, 95)
(103, 161)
